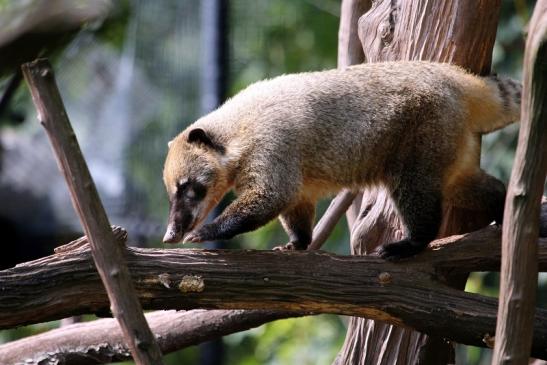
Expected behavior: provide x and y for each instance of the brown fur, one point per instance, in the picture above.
(286, 142)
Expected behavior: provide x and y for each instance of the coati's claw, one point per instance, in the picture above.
(192, 237)
(394, 251)
(287, 247)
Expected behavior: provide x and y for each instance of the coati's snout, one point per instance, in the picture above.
(185, 210)
(194, 181)
(179, 223)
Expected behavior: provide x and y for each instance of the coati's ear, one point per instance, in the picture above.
(169, 143)
(199, 136)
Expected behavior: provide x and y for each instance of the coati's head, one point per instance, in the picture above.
(195, 179)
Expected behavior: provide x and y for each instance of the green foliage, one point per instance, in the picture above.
(4, 4)
(14, 334)
(308, 340)
(113, 29)
(270, 38)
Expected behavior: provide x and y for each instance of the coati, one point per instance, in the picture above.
(284, 143)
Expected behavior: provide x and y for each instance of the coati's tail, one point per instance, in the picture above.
(509, 92)
(496, 103)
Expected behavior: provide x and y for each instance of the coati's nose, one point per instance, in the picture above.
(171, 235)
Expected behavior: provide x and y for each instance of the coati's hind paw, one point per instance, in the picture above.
(286, 247)
(292, 246)
(394, 251)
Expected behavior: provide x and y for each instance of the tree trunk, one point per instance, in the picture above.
(456, 31)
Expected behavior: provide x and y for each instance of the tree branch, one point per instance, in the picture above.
(518, 279)
(400, 293)
(107, 255)
(101, 341)
(338, 206)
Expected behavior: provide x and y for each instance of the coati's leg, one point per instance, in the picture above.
(298, 223)
(420, 209)
(262, 196)
(248, 212)
(419, 206)
(478, 192)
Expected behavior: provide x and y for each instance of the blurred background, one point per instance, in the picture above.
(134, 73)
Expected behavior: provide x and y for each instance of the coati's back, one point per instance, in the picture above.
(350, 125)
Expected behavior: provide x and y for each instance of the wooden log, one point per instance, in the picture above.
(518, 279)
(107, 254)
(405, 294)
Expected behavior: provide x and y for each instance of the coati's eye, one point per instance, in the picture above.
(182, 187)
(198, 191)
(191, 190)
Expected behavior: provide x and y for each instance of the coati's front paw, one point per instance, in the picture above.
(394, 251)
(193, 237)
(205, 233)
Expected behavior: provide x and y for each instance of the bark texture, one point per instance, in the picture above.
(456, 31)
(107, 254)
(518, 279)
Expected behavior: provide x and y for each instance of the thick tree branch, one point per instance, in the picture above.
(401, 293)
(101, 341)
